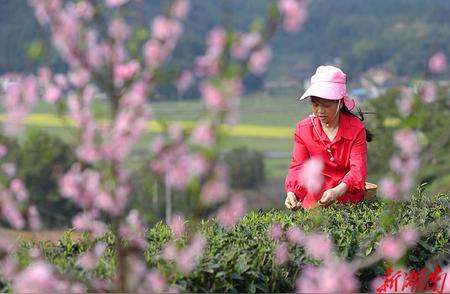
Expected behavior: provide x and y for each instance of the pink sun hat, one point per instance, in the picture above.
(329, 82)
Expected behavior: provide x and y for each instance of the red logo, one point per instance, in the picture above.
(412, 281)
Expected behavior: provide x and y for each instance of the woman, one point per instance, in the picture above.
(334, 135)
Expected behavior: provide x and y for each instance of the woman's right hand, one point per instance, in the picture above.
(291, 201)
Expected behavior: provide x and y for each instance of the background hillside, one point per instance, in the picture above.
(398, 36)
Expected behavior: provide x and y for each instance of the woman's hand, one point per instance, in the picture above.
(291, 201)
(328, 197)
(331, 195)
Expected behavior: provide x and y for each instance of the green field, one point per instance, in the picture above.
(257, 110)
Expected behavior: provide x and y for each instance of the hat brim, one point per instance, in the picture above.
(325, 90)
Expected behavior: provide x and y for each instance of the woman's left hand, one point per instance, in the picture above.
(328, 197)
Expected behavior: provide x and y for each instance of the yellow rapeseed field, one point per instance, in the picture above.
(250, 131)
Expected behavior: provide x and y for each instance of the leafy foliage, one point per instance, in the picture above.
(398, 35)
(39, 159)
(242, 259)
(431, 121)
(246, 167)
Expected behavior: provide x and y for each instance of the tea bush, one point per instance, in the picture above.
(242, 259)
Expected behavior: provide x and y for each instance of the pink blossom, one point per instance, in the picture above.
(115, 3)
(214, 192)
(14, 120)
(391, 248)
(275, 231)
(89, 260)
(108, 203)
(124, 72)
(33, 218)
(217, 38)
(86, 261)
(3, 151)
(180, 9)
(389, 189)
(295, 235)
(175, 132)
(246, 42)
(231, 213)
(52, 94)
(164, 28)
(45, 74)
(87, 222)
(19, 190)
(311, 174)
(377, 283)
(207, 65)
(9, 169)
(178, 176)
(332, 277)
(294, 14)
(406, 183)
(66, 36)
(155, 282)
(133, 230)
(169, 252)
(88, 153)
(177, 225)
(437, 63)
(61, 81)
(204, 135)
(404, 165)
(409, 236)
(17, 108)
(36, 278)
(429, 92)
(94, 55)
(319, 246)
(29, 90)
(12, 95)
(184, 81)
(198, 165)
(12, 215)
(154, 53)
(405, 104)
(80, 187)
(84, 10)
(9, 267)
(282, 253)
(34, 252)
(136, 97)
(43, 9)
(158, 144)
(258, 61)
(78, 288)
(187, 258)
(407, 141)
(212, 96)
(175, 155)
(79, 78)
(118, 29)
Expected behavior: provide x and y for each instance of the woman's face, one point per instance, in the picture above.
(326, 110)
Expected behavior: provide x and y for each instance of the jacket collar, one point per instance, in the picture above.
(345, 126)
(344, 131)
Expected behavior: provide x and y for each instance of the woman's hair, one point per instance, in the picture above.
(360, 116)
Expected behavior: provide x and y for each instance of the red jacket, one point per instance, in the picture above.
(349, 149)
